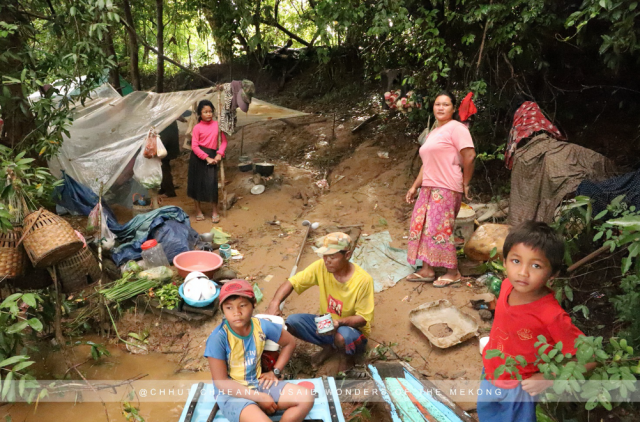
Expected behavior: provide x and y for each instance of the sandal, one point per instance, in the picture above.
(215, 219)
(199, 217)
(446, 281)
(415, 277)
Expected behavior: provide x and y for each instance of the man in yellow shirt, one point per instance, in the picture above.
(346, 293)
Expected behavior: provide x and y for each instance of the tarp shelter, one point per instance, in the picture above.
(108, 131)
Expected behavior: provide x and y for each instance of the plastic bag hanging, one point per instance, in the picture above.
(151, 144)
(161, 150)
(97, 225)
(148, 172)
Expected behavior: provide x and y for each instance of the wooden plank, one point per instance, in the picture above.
(384, 394)
(441, 398)
(438, 410)
(408, 411)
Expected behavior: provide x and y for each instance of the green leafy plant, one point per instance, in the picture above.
(168, 296)
(19, 321)
(131, 413)
(22, 183)
(616, 366)
(496, 152)
(495, 264)
(360, 414)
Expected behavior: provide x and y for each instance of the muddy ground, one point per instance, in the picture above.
(364, 189)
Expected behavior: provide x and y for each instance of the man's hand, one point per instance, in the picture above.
(536, 384)
(273, 309)
(267, 404)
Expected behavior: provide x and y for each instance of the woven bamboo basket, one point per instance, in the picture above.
(140, 209)
(79, 271)
(50, 239)
(13, 259)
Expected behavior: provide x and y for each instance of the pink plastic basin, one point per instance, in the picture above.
(203, 261)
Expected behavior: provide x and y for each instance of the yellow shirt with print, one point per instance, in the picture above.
(341, 300)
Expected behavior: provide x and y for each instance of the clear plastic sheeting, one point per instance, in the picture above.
(386, 264)
(109, 130)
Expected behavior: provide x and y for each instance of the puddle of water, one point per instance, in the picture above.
(121, 365)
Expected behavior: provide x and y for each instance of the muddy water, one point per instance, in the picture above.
(120, 366)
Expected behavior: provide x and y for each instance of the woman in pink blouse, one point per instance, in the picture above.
(203, 162)
(447, 167)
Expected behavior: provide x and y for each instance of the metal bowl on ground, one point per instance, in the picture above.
(203, 261)
(206, 237)
(264, 169)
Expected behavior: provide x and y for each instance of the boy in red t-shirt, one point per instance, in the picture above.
(526, 308)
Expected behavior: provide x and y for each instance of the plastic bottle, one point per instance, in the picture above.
(494, 283)
(153, 254)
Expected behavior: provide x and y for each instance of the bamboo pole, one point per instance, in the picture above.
(224, 188)
(101, 301)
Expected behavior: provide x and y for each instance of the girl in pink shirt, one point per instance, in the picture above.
(203, 162)
(447, 167)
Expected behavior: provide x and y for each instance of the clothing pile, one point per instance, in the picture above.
(544, 171)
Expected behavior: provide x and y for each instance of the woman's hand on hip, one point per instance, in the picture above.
(411, 195)
(466, 193)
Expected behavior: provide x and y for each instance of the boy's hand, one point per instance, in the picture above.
(268, 379)
(266, 403)
(536, 384)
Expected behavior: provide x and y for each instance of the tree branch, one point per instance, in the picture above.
(275, 24)
(173, 62)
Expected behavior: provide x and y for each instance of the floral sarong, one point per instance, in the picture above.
(432, 224)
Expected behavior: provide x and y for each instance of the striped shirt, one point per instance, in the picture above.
(242, 353)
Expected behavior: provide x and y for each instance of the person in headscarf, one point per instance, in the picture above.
(528, 120)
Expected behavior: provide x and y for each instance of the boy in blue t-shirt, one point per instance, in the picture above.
(234, 350)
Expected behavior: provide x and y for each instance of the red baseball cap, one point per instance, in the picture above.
(236, 287)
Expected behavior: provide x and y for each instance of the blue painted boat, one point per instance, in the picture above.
(201, 402)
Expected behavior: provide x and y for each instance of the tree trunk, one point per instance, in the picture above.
(133, 47)
(18, 120)
(160, 42)
(223, 43)
(114, 73)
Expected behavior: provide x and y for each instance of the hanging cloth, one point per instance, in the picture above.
(228, 116)
(527, 120)
(467, 108)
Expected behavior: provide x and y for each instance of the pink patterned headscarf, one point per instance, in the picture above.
(527, 120)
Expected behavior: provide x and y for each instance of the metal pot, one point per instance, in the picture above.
(264, 169)
(245, 167)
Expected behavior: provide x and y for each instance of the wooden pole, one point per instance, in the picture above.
(101, 300)
(57, 322)
(224, 188)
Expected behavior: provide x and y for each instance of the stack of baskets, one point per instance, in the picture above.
(13, 260)
(50, 240)
(79, 271)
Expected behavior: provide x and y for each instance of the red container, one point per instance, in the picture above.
(203, 261)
